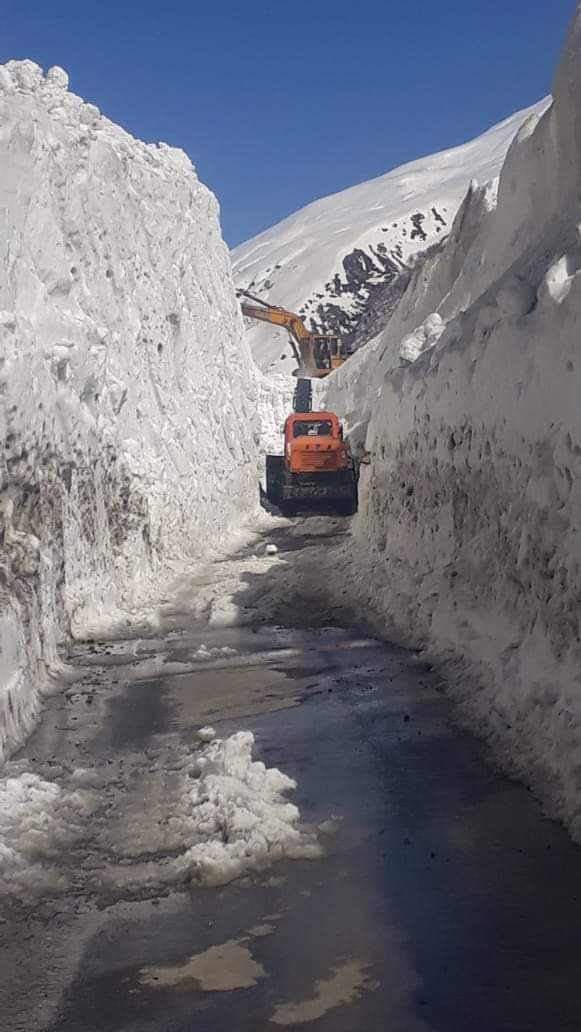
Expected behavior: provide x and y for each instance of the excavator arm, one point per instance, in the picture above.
(303, 343)
(296, 328)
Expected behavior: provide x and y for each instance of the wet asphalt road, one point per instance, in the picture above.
(444, 900)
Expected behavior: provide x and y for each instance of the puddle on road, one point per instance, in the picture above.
(260, 930)
(347, 983)
(230, 693)
(217, 970)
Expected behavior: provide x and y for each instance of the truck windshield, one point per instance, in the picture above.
(320, 428)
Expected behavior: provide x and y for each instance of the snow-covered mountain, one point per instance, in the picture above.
(328, 260)
(128, 398)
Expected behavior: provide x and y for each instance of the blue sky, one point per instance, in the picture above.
(281, 102)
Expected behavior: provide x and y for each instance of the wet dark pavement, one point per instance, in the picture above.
(444, 901)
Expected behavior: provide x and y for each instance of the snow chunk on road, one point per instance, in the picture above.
(219, 815)
(37, 820)
(241, 818)
(425, 336)
(206, 734)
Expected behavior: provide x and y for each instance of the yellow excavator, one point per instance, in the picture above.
(317, 354)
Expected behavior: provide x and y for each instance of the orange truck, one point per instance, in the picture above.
(317, 468)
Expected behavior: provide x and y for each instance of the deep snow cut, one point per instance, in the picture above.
(468, 539)
(130, 411)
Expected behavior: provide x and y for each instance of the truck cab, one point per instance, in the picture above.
(316, 467)
(314, 442)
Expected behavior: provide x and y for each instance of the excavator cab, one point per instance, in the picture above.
(327, 353)
(322, 353)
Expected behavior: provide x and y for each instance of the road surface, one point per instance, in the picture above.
(443, 900)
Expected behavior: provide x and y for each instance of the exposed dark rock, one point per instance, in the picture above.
(418, 233)
(357, 301)
(358, 267)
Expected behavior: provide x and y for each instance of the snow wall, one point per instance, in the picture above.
(128, 400)
(468, 539)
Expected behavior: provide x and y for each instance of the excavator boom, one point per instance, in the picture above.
(317, 354)
(277, 317)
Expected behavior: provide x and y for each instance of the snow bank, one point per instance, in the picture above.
(129, 409)
(469, 533)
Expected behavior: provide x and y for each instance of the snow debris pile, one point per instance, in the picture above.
(242, 821)
(220, 815)
(469, 533)
(37, 820)
(343, 257)
(128, 399)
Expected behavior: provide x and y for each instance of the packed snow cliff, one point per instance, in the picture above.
(342, 258)
(468, 538)
(127, 398)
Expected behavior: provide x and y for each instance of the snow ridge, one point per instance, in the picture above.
(128, 398)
